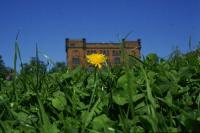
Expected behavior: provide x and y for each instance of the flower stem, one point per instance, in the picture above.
(94, 90)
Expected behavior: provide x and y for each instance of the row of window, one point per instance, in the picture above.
(105, 52)
(76, 60)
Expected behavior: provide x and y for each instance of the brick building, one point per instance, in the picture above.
(77, 49)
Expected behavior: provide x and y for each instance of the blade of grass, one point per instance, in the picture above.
(45, 122)
(15, 97)
(152, 106)
(149, 92)
(128, 72)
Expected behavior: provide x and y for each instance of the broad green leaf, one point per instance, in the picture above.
(102, 122)
(120, 97)
(59, 101)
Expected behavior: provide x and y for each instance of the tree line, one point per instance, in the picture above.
(30, 67)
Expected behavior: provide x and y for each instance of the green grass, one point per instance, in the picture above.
(149, 95)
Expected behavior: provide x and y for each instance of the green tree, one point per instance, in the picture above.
(3, 69)
(32, 66)
(58, 67)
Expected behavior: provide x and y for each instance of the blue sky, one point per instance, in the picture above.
(161, 24)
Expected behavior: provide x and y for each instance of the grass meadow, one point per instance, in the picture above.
(150, 94)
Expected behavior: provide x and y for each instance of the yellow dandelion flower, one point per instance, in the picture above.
(96, 59)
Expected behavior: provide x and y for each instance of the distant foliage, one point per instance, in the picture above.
(2, 68)
(58, 67)
(4, 71)
(33, 65)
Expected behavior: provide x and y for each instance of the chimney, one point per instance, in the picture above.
(139, 43)
(66, 44)
(84, 43)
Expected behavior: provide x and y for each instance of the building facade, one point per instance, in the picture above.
(77, 49)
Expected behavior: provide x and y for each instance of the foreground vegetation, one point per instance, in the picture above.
(152, 95)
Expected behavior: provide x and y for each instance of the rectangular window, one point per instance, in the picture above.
(72, 45)
(94, 51)
(116, 52)
(75, 51)
(106, 52)
(113, 52)
(88, 52)
(76, 61)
